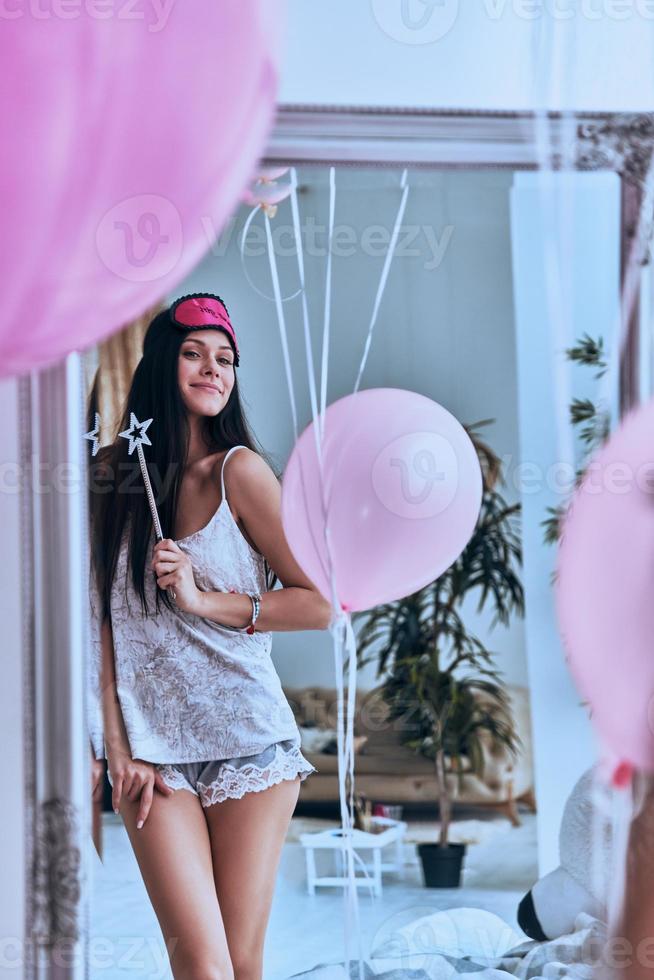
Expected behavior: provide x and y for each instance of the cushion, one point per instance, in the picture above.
(457, 932)
(357, 745)
(315, 739)
(319, 740)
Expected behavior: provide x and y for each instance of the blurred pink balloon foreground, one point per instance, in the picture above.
(134, 140)
(605, 590)
(403, 489)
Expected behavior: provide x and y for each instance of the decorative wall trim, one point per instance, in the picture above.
(384, 136)
(464, 139)
(56, 748)
(29, 671)
(57, 874)
(623, 143)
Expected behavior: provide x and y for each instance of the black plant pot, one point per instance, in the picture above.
(441, 866)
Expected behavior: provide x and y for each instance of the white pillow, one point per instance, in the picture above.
(316, 739)
(456, 932)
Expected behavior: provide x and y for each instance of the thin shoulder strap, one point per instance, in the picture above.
(222, 470)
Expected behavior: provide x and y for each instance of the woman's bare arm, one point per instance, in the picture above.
(290, 608)
(137, 777)
(255, 496)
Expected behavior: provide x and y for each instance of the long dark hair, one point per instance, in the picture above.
(118, 503)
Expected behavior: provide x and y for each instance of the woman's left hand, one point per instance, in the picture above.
(173, 569)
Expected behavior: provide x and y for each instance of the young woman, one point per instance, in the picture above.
(202, 746)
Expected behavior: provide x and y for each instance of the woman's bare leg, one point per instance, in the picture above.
(247, 837)
(174, 854)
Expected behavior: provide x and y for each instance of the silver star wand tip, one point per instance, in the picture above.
(136, 434)
(94, 436)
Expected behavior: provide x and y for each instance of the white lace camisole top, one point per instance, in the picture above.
(191, 690)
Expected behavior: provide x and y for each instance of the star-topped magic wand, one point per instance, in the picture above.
(137, 435)
(137, 439)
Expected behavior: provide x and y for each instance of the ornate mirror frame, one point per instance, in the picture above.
(57, 814)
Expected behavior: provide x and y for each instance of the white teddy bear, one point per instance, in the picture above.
(581, 882)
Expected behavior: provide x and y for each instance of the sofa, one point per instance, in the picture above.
(388, 772)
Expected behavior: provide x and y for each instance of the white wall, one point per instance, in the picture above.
(12, 840)
(584, 210)
(447, 332)
(477, 54)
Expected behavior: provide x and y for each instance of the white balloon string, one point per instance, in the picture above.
(274, 272)
(351, 706)
(246, 228)
(328, 303)
(384, 276)
(313, 397)
(341, 626)
(323, 385)
(305, 319)
(282, 324)
(378, 297)
(344, 740)
(599, 818)
(345, 727)
(621, 816)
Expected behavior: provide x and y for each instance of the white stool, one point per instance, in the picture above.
(332, 840)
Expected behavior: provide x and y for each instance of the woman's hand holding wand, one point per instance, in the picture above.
(173, 569)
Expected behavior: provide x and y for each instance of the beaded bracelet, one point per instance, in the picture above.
(256, 606)
(255, 599)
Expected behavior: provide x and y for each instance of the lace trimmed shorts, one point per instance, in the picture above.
(221, 779)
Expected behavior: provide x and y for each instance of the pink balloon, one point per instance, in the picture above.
(129, 137)
(402, 487)
(605, 590)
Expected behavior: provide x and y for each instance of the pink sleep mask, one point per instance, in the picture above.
(203, 311)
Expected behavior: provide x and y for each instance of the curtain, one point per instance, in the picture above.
(109, 371)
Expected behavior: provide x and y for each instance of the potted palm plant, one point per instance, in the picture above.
(438, 674)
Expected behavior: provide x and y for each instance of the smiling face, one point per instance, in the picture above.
(205, 371)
